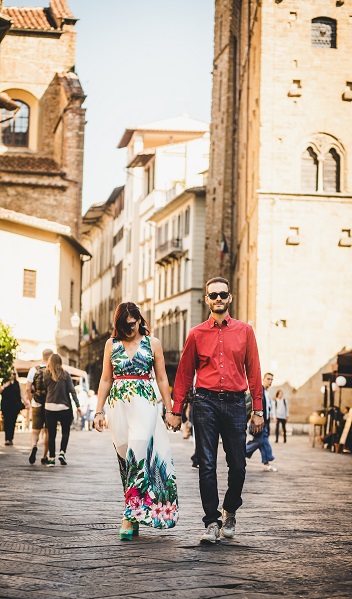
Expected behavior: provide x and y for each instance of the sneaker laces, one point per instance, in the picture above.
(213, 527)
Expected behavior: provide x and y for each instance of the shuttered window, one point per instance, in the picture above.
(29, 283)
(324, 32)
(309, 171)
(331, 173)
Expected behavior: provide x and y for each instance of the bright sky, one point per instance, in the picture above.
(138, 62)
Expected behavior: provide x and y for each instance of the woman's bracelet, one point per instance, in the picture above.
(168, 411)
(97, 413)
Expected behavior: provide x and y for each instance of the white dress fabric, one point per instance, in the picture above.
(141, 440)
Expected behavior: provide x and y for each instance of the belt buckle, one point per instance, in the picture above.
(224, 395)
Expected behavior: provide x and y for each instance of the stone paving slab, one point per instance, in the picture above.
(59, 529)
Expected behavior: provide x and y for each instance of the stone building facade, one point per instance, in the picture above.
(41, 149)
(101, 280)
(281, 117)
(41, 261)
(179, 252)
(163, 158)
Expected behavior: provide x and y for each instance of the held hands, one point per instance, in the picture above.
(257, 423)
(173, 422)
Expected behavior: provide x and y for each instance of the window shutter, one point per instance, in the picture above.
(332, 171)
(309, 171)
(324, 32)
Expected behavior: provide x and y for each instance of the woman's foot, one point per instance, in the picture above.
(51, 463)
(126, 531)
(62, 458)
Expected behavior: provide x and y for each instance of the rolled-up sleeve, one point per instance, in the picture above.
(253, 373)
(185, 373)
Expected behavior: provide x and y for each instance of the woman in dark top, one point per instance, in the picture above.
(58, 407)
(11, 405)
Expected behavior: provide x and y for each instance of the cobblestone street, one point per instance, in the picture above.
(59, 528)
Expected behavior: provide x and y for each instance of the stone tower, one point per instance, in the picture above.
(41, 148)
(280, 182)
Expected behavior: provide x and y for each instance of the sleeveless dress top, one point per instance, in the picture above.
(141, 440)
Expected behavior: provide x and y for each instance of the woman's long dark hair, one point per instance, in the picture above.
(121, 328)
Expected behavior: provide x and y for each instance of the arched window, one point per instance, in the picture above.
(331, 172)
(324, 32)
(309, 170)
(15, 132)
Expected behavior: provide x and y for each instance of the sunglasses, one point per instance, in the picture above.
(129, 326)
(223, 294)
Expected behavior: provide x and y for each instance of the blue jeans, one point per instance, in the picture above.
(261, 442)
(211, 418)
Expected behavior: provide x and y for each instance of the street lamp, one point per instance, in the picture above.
(340, 382)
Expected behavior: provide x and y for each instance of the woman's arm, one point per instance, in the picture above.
(104, 386)
(163, 383)
(72, 390)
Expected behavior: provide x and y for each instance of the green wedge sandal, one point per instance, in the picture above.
(126, 535)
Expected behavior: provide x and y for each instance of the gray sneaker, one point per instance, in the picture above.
(228, 524)
(211, 534)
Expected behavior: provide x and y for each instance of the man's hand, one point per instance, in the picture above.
(257, 423)
(173, 422)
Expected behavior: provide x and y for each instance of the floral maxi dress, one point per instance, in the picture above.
(141, 440)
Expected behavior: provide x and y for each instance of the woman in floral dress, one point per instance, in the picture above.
(138, 432)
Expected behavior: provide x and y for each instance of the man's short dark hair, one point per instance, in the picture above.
(268, 374)
(217, 280)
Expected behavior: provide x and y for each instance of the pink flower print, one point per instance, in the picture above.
(147, 500)
(157, 510)
(131, 493)
(135, 503)
(174, 512)
(168, 511)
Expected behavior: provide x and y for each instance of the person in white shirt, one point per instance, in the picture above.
(84, 404)
(91, 408)
(280, 414)
(35, 401)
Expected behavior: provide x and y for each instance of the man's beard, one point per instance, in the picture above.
(220, 309)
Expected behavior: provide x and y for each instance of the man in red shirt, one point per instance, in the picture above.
(223, 354)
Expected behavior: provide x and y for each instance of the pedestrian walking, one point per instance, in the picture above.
(11, 405)
(261, 439)
(58, 406)
(223, 354)
(138, 432)
(91, 408)
(83, 401)
(36, 394)
(280, 414)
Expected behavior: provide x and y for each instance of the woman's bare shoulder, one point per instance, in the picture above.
(154, 342)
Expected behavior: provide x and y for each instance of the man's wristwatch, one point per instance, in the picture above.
(258, 413)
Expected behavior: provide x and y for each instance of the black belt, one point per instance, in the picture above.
(221, 395)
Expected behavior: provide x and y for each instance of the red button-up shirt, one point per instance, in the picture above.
(223, 358)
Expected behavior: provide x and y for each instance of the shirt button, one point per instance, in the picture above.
(222, 366)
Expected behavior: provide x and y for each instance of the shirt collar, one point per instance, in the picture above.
(213, 323)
